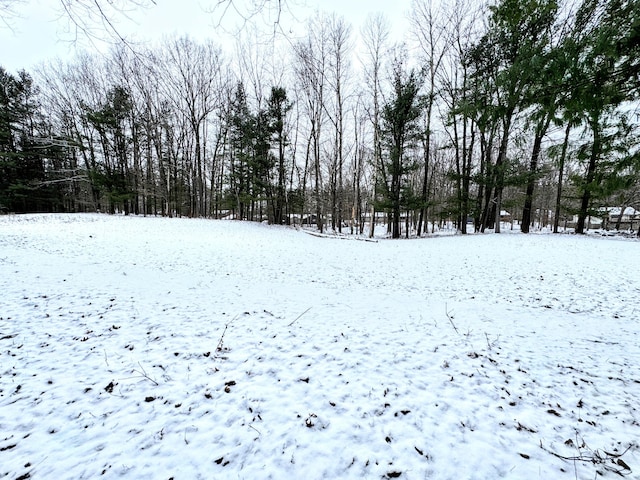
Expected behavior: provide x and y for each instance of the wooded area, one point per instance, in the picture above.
(522, 106)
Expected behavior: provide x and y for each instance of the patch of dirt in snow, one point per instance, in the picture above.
(157, 348)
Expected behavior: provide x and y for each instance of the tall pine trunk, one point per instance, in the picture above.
(533, 173)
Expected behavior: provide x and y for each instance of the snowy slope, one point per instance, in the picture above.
(164, 348)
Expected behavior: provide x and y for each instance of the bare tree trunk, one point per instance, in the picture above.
(376, 34)
(372, 226)
(428, 26)
(563, 155)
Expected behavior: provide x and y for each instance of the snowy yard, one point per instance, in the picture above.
(158, 348)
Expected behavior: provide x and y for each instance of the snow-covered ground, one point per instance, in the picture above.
(175, 348)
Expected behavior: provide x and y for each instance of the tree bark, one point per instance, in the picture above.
(591, 172)
(563, 156)
(533, 170)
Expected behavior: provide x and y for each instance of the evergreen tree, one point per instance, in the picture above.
(508, 59)
(241, 133)
(603, 76)
(261, 163)
(22, 159)
(400, 127)
(277, 109)
(544, 98)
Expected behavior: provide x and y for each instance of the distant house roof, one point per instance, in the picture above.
(627, 211)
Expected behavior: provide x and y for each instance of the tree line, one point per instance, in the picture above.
(521, 106)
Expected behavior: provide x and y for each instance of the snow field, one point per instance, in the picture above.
(175, 348)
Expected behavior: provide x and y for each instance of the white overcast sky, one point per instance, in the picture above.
(39, 34)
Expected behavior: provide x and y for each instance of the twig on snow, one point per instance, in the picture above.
(450, 317)
(220, 346)
(610, 461)
(192, 427)
(221, 341)
(490, 344)
(144, 374)
(299, 316)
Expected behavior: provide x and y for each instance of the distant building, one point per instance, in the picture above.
(630, 216)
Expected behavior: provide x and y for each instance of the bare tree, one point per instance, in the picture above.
(71, 91)
(429, 30)
(375, 34)
(339, 33)
(62, 96)
(190, 78)
(311, 62)
(362, 154)
(455, 92)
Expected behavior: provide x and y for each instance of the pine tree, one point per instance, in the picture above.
(400, 127)
(22, 160)
(508, 61)
(604, 75)
(240, 138)
(278, 108)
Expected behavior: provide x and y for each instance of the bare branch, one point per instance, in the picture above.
(9, 11)
(93, 19)
(249, 11)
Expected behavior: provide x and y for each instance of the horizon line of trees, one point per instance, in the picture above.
(529, 106)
